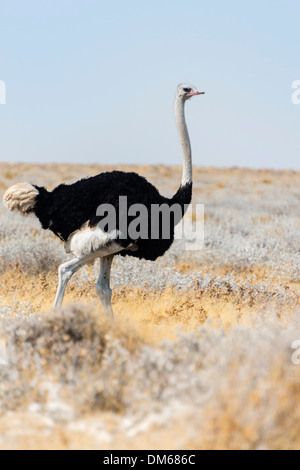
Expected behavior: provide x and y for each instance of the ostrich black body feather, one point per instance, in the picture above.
(68, 207)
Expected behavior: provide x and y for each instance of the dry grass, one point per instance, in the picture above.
(200, 354)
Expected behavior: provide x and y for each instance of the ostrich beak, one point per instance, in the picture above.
(195, 93)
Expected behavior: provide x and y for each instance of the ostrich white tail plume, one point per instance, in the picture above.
(21, 197)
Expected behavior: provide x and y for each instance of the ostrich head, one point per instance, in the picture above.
(186, 91)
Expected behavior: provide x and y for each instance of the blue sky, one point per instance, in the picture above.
(94, 81)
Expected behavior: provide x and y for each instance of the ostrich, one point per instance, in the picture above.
(70, 212)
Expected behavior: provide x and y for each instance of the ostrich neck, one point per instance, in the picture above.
(185, 142)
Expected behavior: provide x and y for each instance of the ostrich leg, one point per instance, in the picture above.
(65, 272)
(103, 284)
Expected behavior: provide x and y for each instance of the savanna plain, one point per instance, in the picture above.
(200, 353)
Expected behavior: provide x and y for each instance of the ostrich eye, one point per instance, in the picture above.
(187, 90)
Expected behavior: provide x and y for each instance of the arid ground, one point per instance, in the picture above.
(200, 354)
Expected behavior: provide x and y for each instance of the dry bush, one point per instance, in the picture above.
(71, 351)
(235, 389)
